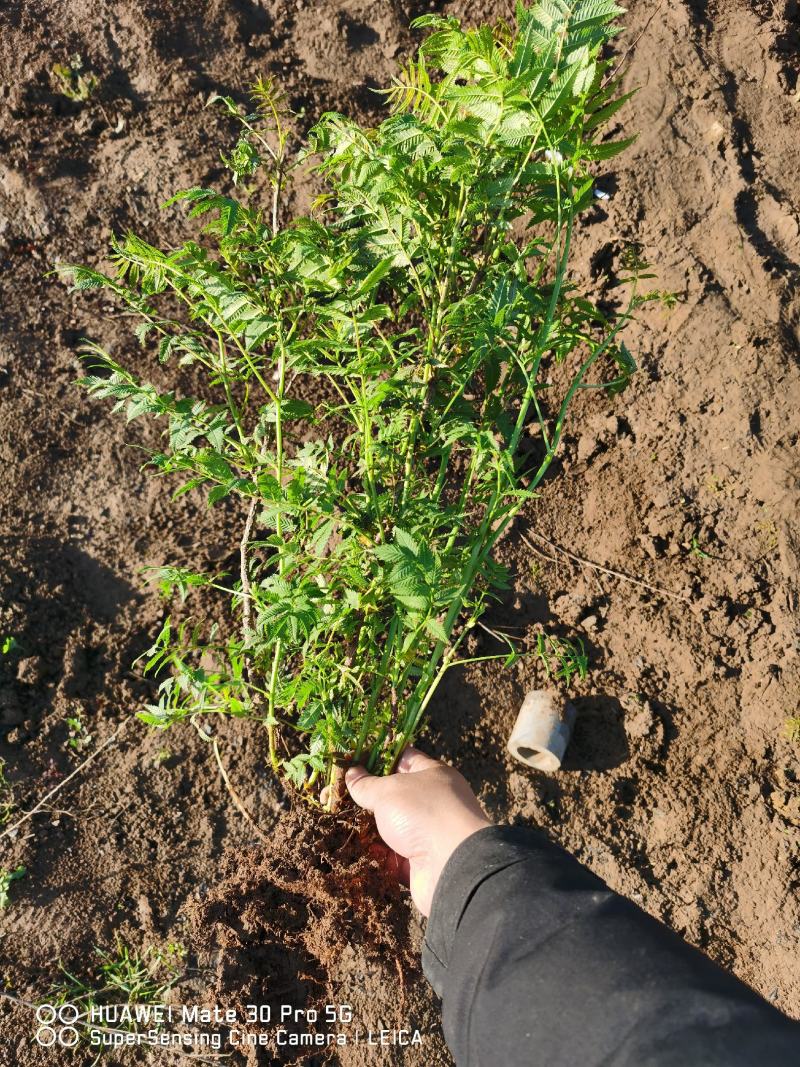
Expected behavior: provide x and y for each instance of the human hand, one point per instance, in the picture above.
(423, 812)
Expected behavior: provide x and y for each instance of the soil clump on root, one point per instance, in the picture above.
(285, 919)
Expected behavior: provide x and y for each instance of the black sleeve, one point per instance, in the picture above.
(538, 962)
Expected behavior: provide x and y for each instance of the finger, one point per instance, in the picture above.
(413, 760)
(363, 787)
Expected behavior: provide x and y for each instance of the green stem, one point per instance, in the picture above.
(273, 683)
(366, 725)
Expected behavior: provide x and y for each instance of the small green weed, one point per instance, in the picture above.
(792, 728)
(696, 550)
(9, 644)
(72, 82)
(79, 737)
(666, 297)
(122, 976)
(6, 879)
(140, 979)
(562, 659)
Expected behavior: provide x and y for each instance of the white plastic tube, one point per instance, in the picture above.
(542, 730)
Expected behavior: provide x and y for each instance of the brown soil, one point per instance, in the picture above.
(285, 918)
(681, 786)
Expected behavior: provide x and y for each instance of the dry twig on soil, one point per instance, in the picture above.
(15, 826)
(599, 567)
(235, 796)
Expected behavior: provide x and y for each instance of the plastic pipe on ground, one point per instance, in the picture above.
(542, 730)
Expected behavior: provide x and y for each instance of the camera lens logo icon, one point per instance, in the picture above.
(56, 1025)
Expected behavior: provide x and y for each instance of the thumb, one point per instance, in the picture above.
(412, 760)
(363, 787)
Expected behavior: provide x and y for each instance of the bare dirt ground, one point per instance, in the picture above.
(682, 787)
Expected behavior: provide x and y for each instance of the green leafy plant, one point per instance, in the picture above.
(371, 373)
(561, 658)
(71, 80)
(9, 644)
(6, 879)
(696, 549)
(78, 737)
(792, 728)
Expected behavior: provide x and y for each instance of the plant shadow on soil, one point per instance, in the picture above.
(55, 583)
(599, 741)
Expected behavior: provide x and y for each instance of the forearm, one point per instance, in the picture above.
(538, 962)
